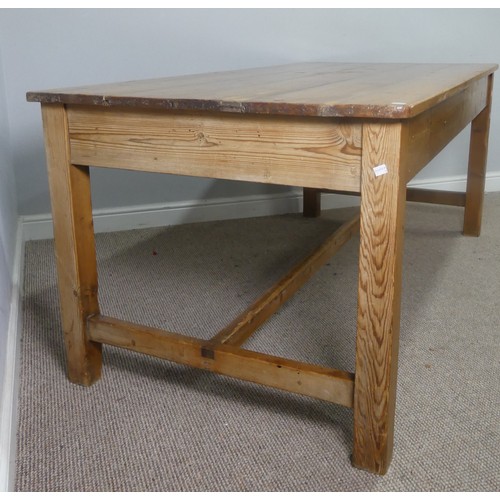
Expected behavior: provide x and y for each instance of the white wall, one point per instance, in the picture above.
(8, 225)
(56, 48)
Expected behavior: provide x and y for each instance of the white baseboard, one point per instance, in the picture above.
(8, 409)
(38, 227)
(457, 183)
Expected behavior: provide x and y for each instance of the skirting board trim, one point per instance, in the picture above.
(39, 227)
(8, 409)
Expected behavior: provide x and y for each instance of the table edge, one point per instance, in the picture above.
(393, 111)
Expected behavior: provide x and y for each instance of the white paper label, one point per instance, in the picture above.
(380, 169)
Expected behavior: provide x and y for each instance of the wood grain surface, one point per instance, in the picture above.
(294, 151)
(74, 247)
(318, 382)
(379, 294)
(305, 89)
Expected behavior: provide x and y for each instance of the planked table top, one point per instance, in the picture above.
(389, 90)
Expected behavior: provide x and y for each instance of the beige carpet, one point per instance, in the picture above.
(155, 426)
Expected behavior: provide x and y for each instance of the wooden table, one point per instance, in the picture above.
(366, 129)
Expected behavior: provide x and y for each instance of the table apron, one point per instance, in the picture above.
(432, 130)
(295, 151)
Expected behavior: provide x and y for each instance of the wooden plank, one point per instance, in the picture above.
(307, 152)
(379, 294)
(476, 174)
(382, 91)
(311, 202)
(74, 247)
(436, 196)
(431, 131)
(331, 385)
(421, 195)
(247, 322)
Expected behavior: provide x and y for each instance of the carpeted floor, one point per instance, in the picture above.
(155, 426)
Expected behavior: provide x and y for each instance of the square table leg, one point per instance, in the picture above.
(476, 174)
(311, 202)
(379, 294)
(74, 247)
